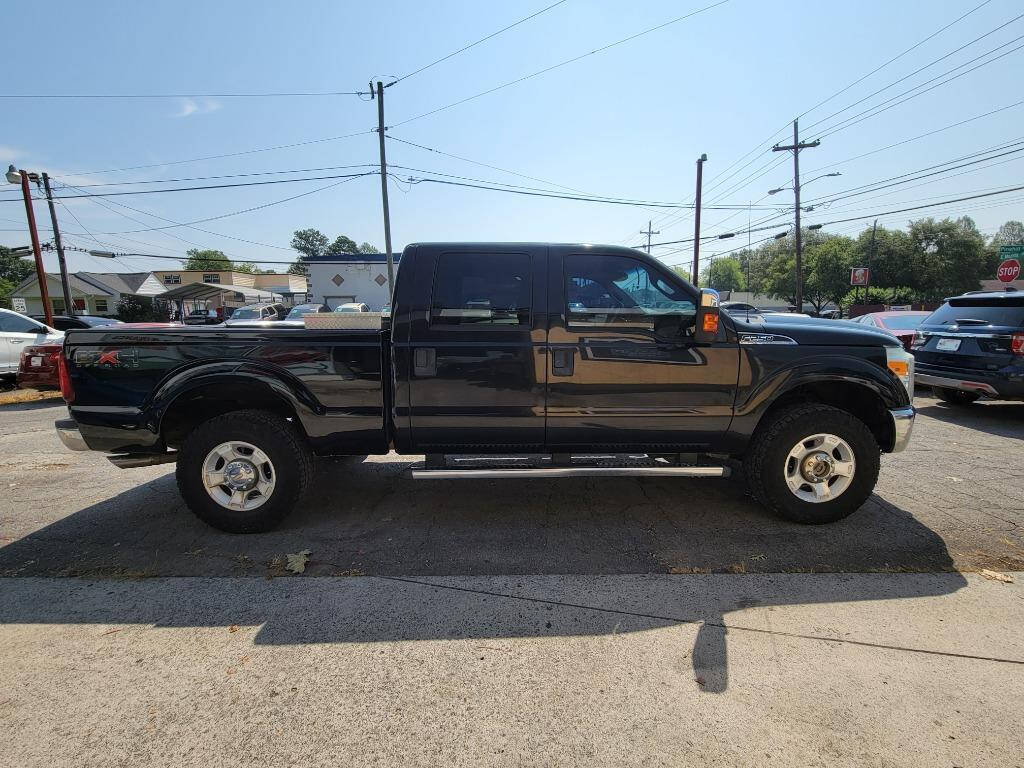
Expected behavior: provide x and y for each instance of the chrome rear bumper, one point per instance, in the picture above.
(902, 426)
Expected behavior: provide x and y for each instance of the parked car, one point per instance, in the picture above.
(66, 322)
(203, 317)
(255, 313)
(39, 366)
(973, 345)
(353, 306)
(901, 324)
(496, 350)
(300, 310)
(18, 331)
(734, 307)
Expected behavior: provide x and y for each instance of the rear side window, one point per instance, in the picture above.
(968, 311)
(18, 324)
(481, 289)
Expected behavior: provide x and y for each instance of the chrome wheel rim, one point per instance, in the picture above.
(819, 468)
(239, 476)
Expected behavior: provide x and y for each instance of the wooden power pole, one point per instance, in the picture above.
(696, 219)
(795, 147)
(384, 190)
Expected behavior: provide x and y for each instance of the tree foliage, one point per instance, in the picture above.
(312, 243)
(14, 268)
(724, 274)
(207, 261)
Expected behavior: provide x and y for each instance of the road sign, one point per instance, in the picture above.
(18, 304)
(859, 276)
(1011, 251)
(1008, 271)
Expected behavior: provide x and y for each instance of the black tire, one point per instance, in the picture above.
(767, 457)
(278, 438)
(955, 396)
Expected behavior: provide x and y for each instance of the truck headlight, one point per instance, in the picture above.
(901, 363)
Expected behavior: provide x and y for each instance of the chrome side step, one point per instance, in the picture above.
(496, 473)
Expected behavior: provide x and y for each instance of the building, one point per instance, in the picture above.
(290, 289)
(92, 293)
(347, 277)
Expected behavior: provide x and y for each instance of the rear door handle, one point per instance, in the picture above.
(562, 360)
(424, 361)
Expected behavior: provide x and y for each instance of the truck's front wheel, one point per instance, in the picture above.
(244, 471)
(812, 463)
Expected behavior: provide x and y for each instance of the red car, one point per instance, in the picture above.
(902, 325)
(38, 367)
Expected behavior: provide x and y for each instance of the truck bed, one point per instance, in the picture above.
(126, 382)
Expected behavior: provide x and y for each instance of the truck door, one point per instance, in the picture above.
(624, 367)
(476, 361)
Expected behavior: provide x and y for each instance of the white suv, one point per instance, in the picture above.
(18, 332)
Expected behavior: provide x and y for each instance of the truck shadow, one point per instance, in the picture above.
(483, 559)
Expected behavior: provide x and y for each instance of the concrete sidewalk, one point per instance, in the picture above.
(754, 669)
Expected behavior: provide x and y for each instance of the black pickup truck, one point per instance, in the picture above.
(502, 360)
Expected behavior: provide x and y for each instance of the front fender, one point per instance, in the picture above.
(768, 375)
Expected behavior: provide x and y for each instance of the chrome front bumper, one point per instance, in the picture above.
(67, 431)
(902, 426)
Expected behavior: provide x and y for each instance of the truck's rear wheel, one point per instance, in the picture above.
(812, 463)
(244, 471)
(955, 396)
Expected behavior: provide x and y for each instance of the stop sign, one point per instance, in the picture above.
(1008, 271)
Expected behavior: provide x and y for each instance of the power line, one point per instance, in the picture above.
(235, 95)
(561, 64)
(894, 59)
(212, 186)
(474, 44)
(222, 176)
(229, 154)
(921, 69)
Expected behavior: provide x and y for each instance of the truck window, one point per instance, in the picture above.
(481, 289)
(618, 291)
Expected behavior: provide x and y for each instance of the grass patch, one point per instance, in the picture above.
(15, 396)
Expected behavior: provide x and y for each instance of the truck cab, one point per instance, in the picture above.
(504, 360)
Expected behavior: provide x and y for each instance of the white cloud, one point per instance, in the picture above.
(10, 154)
(197, 107)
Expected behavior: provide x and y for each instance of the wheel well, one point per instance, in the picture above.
(856, 399)
(189, 410)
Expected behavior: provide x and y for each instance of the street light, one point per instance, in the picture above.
(804, 184)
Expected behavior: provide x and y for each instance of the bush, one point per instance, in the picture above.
(139, 309)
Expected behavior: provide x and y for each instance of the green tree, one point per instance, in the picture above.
(827, 266)
(1011, 233)
(949, 257)
(724, 274)
(310, 243)
(343, 244)
(207, 261)
(6, 288)
(14, 268)
(367, 248)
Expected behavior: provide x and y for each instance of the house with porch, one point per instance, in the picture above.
(92, 293)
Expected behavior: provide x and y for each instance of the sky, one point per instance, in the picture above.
(627, 122)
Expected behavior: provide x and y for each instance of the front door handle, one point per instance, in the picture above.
(562, 360)
(424, 361)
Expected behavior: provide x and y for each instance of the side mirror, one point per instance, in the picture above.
(707, 317)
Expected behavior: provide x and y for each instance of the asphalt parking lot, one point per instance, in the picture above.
(600, 621)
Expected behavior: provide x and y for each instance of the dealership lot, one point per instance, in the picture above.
(601, 621)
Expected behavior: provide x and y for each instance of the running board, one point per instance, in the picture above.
(134, 461)
(487, 474)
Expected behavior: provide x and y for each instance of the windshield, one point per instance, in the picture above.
(245, 314)
(980, 311)
(303, 309)
(902, 322)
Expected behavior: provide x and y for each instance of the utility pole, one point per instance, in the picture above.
(384, 188)
(749, 253)
(795, 147)
(696, 219)
(871, 255)
(69, 308)
(44, 294)
(648, 232)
